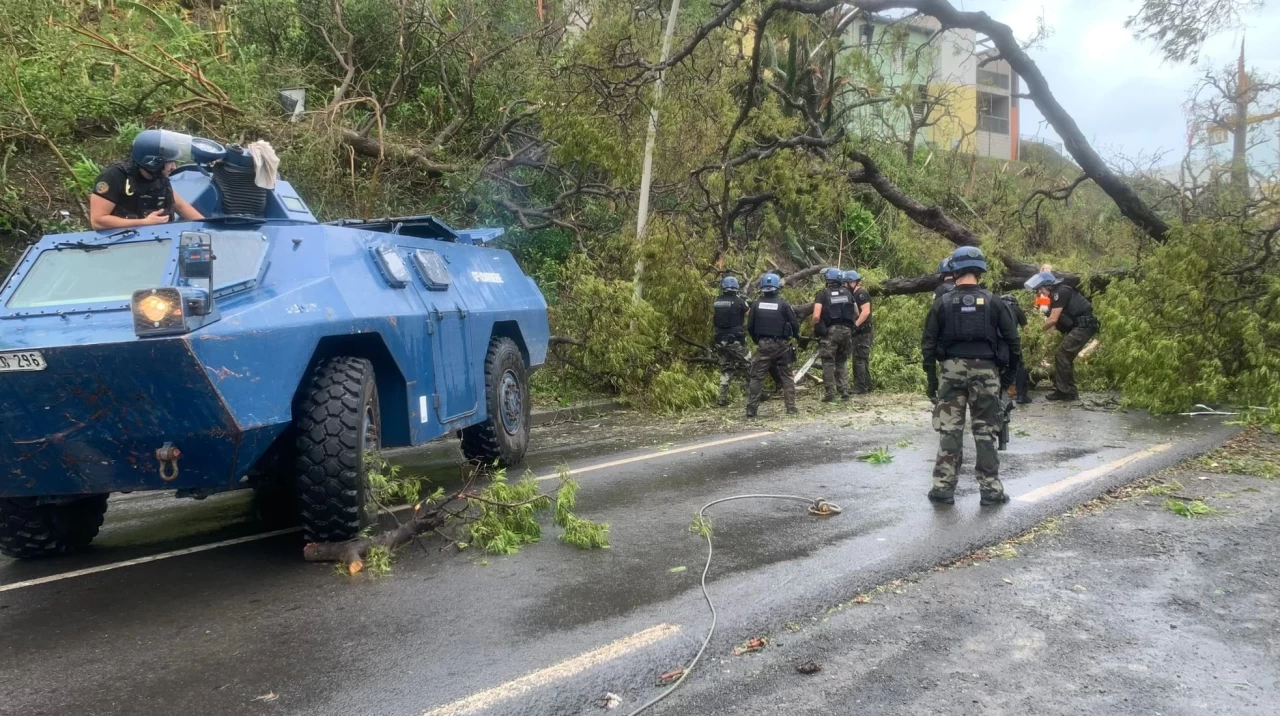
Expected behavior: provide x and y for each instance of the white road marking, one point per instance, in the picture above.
(143, 560)
(267, 535)
(559, 672)
(662, 453)
(1091, 474)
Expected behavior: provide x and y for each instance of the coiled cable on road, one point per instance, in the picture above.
(819, 508)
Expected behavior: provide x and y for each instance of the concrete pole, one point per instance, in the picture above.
(646, 175)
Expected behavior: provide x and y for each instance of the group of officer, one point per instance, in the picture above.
(842, 323)
(971, 348)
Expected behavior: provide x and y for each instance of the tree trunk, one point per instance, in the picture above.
(646, 176)
(1126, 199)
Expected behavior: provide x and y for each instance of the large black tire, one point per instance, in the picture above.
(338, 423)
(504, 437)
(31, 531)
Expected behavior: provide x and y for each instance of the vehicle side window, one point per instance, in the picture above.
(432, 269)
(238, 256)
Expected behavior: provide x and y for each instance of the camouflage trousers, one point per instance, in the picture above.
(1064, 363)
(731, 357)
(771, 354)
(834, 350)
(862, 341)
(975, 385)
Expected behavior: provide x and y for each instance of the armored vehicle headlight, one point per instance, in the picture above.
(169, 310)
(156, 308)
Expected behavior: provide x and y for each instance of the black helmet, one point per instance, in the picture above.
(154, 148)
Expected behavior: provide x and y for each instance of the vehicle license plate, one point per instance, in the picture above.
(21, 361)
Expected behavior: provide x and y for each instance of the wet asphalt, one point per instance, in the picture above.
(252, 629)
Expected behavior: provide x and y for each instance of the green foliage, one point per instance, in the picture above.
(389, 484)
(701, 525)
(1192, 331)
(879, 456)
(1190, 509)
(896, 362)
(507, 515)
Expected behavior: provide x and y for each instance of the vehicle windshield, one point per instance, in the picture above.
(105, 275)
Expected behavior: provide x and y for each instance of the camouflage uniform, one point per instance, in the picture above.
(731, 356)
(834, 350)
(1064, 362)
(975, 384)
(771, 352)
(862, 359)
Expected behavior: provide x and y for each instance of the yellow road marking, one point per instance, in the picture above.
(564, 670)
(1091, 474)
(662, 453)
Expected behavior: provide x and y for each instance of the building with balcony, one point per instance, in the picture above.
(948, 84)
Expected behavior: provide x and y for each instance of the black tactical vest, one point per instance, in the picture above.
(970, 319)
(944, 287)
(1077, 308)
(769, 321)
(840, 308)
(728, 315)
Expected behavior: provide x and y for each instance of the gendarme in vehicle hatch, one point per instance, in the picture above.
(256, 348)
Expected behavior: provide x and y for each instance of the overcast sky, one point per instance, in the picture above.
(1121, 93)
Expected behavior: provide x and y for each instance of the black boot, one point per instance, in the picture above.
(1059, 396)
(1024, 400)
(942, 498)
(829, 398)
(793, 410)
(993, 498)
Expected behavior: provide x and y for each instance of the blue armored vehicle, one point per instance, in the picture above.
(257, 348)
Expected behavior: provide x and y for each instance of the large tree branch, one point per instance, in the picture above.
(371, 147)
(1128, 201)
(930, 217)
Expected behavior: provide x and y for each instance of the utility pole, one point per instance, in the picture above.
(646, 175)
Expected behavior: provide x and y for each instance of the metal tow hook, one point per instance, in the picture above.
(168, 458)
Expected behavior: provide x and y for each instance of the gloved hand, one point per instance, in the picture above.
(820, 330)
(932, 389)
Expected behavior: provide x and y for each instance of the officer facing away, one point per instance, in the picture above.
(730, 335)
(968, 330)
(948, 278)
(834, 321)
(772, 324)
(137, 192)
(863, 333)
(1021, 379)
(1072, 314)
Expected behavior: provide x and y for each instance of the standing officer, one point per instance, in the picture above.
(863, 333)
(834, 320)
(968, 330)
(772, 324)
(730, 336)
(137, 192)
(948, 278)
(1072, 314)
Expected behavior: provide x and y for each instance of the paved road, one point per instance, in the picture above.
(1130, 611)
(251, 629)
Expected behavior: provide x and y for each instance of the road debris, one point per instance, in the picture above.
(751, 646)
(610, 701)
(671, 676)
(808, 668)
(270, 698)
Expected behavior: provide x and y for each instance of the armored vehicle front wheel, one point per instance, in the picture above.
(338, 423)
(29, 530)
(504, 437)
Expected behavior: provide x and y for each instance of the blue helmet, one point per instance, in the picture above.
(833, 275)
(968, 259)
(852, 276)
(770, 282)
(729, 284)
(154, 148)
(1044, 279)
(944, 266)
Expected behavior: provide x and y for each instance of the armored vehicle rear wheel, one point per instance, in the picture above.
(30, 531)
(338, 423)
(504, 437)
